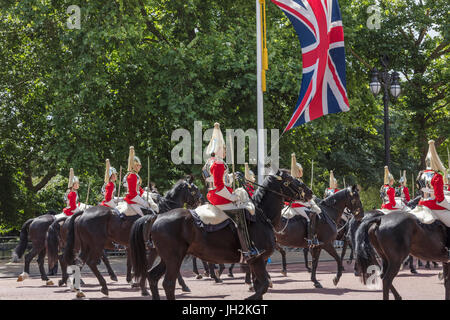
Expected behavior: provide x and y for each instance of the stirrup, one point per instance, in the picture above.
(252, 254)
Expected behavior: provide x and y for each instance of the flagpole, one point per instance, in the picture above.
(260, 101)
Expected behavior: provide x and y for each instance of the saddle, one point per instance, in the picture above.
(423, 214)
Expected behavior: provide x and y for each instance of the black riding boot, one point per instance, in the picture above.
(249, 252)
(312, 236)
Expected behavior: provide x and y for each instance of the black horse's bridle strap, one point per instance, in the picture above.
(289, 198)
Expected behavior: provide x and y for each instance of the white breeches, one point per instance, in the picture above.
(111, 203)
(301, 211)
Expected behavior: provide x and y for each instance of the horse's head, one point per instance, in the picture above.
(295, 189)
(353, 202)
(191, 193)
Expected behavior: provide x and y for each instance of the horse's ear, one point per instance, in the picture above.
(190, 179)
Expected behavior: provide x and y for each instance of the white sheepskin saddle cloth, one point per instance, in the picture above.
(213, 215)
(424, 214)
(126, 209)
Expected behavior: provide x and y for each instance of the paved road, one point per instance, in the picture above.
(296, 286)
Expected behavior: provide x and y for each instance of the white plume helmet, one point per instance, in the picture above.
(72, 179)
(132, 159)
(447, 176)
(387, 175)
(109, 171)
(432, 160)
(217, 143)
(249, 175)
(333, 181)
(403, 177)
(296, 168)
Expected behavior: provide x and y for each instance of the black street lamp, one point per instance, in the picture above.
(388, 81)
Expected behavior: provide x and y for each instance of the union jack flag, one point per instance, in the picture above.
(318, 24)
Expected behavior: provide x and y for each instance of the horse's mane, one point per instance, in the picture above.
(261, 192)
(171, 193)
(331, 200)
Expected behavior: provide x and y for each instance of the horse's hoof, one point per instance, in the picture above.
(198, 277)
(105, 291)
(349, 261)
(80, 294)
(414, 271)
(113, 278)
(22, 277)
(309, 270)
(335, 281)
(185, 289)
(145, 293)
(318, 285)
(284, 273)
(135, 285)
(49, 283)
(270, 284)
(219, 281)
(61, 283)
(441, 276)
(230, 275)
(251, 289)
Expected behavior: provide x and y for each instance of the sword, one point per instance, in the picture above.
(312, 173)
(232, 161)
(148, 176)
(120, 182)
(87, 196)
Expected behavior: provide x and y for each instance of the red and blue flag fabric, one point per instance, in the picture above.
(318, 24)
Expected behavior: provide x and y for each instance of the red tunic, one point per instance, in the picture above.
(294, 205)
(437, 182)
(406, 193)
(109, 192)
(391, 194)
(133, 187)
(218, 171)
(250, 190)
(72, 199)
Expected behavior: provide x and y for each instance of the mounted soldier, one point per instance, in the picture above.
(109, 188)
(221, 195)
(132, 181)
(387, 192)
(304, 209)
(333, 186)
(250, 178)
(71, 197)
(446, 183)
(431, 184)
(402, 190)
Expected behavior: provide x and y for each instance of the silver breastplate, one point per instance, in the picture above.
(329, 192)
(383, 194)
(424, 182)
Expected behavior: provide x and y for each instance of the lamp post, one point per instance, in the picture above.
(389, 82)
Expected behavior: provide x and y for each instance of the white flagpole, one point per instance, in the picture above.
(260, 101)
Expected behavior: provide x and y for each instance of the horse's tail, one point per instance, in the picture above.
(365, 254)
(22, 246)
(69, 255)
(137, 246)
(52, 242)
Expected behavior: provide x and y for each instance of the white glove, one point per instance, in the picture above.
(314, 206)
(227, 195)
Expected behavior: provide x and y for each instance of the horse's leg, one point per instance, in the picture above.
(351, 253)
(393, 267)
(332, 251)
(315, 253)
(206, 268)
(153, 277)
(230, 271)
(194, 268)
(172, 272)
(212, 272)
(305, 255)
(129, 266)
(435, 264)
(111, 273)
(411, 264)
(26, 270)
(183, 284)
(151, 257)
(427, 266)
(283, 260)
(92, 263)
(40, 261)
(64, 275)
(419, 263)
(344, 250)
(261, 282)
(446, 271)
(221, 268)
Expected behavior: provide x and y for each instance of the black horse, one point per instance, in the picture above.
(175, 234)
(99, 227)
(394, 236)
(56, 241)
(34, 230)
(293, 232)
